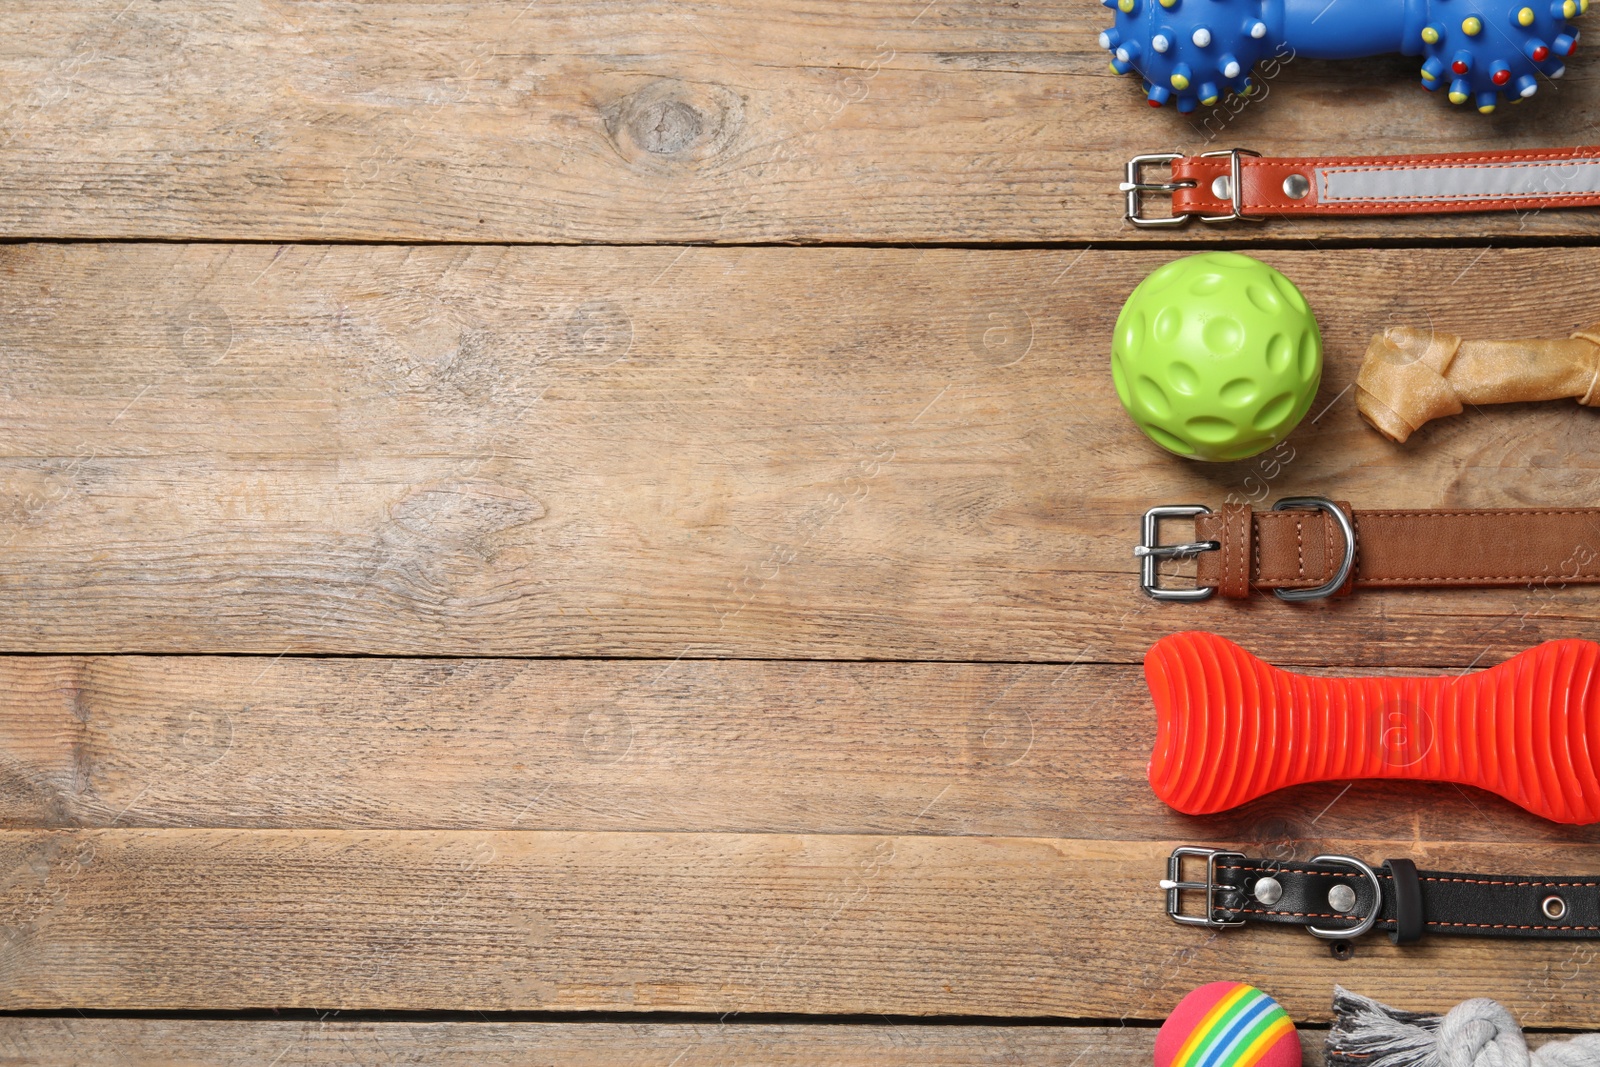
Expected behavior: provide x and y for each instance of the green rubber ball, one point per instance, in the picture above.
(1216, 356)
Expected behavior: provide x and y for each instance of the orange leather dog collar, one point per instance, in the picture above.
(1239, 184)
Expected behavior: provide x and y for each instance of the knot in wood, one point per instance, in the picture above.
(669, 123)
(666, 127)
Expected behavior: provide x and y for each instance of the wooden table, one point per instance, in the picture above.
(593, 532)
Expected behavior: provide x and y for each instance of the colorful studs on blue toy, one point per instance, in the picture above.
(1485, 51)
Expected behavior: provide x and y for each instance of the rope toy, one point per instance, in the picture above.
(1474, 1033)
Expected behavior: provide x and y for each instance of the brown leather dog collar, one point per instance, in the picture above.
(1310, 547)
(1240, 184)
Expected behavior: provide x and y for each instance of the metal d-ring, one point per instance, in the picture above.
(1377, 901)
(1333, 585)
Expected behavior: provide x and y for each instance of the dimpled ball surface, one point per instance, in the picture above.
(1216, 356)
(1227, 1024)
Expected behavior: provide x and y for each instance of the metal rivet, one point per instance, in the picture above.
(1342, 899)
(1222, 187)
(1268, 891)
(1296, 187)
(1554, 907)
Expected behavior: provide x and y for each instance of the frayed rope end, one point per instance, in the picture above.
(1366, 1033)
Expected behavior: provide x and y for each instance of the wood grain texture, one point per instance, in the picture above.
(72, 1042)
(992, 750)
(837, 453)
(830, 924)
(335, 1042)
(650, 121)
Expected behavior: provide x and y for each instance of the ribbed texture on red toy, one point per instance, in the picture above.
(1230, 728)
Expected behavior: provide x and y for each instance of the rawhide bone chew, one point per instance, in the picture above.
(1230, 728)
(1411, 376)
(1193, 51)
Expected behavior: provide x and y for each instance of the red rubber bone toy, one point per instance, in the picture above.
(1230, 728)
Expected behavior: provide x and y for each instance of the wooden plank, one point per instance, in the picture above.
(829, 924)
(60, 1042)
(838, 453)
(70, 1041)
(994, 750)
(733, 120)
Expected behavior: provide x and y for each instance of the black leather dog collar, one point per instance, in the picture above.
(1339, 897)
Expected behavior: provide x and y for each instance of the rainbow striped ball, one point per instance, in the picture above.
(1227, 1024)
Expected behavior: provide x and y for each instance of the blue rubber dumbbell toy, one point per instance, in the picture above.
(1192, 51)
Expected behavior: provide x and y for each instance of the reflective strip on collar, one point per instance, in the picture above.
(1467, 181)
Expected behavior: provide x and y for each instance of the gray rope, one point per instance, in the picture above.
(1475, 1033)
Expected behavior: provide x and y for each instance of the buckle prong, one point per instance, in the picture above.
(1133, 185)
(1174, 886)
(1184, 551)
(1149, 551)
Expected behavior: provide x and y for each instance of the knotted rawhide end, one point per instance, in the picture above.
(1411, 377)
(1403, 385)
(1591, 336)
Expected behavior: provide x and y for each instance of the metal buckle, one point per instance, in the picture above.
(1332, 586)
(1377, 901)
(1133, 186)
(1174, 887)
(1235, 186)
(1149, 551)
